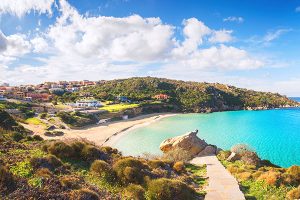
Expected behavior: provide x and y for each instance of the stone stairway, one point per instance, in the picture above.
(221, 184)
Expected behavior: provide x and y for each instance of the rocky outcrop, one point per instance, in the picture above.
(189, 142)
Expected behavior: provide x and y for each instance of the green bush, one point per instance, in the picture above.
(223, 155)
(37, 138)
(133, 192)
(77, 146)
(156, 164)
(50, 162)
(129, 170)
(61, 149)
(102, 169)
(83, 194)
(109, 150)
(16, 136)
(7, 180)
(91, 153)
(167, 189)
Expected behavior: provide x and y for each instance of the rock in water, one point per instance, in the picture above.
(188, 142)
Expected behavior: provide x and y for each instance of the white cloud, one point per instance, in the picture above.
(270, 36)
(221, 36)
(130, 38)
(234, 19)
(39, 44)
(297, 9)
(218, 58)
(13, 46)
(99, 47)
(21, 7)
(194, 32)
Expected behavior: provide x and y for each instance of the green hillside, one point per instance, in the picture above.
(189, 96)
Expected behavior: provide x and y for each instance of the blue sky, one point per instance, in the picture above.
(252, 44)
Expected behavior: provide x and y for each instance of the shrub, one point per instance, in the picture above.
(37, 138)
(77, 147)
(223, 155)
(167, 189)
(7, 180)
(83, 194)
(16, 136)
(61, 149)
(70, 182)
(270, 177)
(102, 169)
(156, 164)
(134, 192)
(294, 170)
(177, 154)
(90, 153)
(294, 193)
(244, 176)
(44, 173)
(179, 166)
(43, 115)
(289, 179)
(109, 150)
(129, 170)
(50, 162)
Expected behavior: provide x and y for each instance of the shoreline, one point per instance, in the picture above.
(113, 139)
(103, 134)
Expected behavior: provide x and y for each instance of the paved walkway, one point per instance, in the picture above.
(222, 185)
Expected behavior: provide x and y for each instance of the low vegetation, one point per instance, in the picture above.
(260, 179)
(77, 119)
(119, 107)
(31, 168)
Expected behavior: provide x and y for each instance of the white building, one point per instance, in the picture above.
(2, 98)
(87, 104)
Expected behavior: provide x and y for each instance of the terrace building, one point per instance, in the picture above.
(161, 97)
(87, 104)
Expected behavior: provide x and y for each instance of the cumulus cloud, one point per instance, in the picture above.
(13, 46)
(130, 38)
(21, 7)
(194, 31)
(79, 46)
(39, 44)
(234, 19)
(221, 36)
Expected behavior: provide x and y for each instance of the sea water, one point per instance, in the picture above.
(273, 134)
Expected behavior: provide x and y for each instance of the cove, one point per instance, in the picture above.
(273, 134)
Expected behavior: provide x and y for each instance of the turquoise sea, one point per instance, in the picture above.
(273, 134)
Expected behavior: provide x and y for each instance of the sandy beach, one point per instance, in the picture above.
(107, 133)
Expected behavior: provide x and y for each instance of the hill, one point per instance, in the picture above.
(190, 96)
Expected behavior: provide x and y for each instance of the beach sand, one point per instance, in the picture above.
(105, 134)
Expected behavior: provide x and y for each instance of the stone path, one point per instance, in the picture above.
(221, 184)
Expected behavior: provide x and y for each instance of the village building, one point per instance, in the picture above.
(161, 97)
(2, 98)
(39, 97)
(87, 104)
